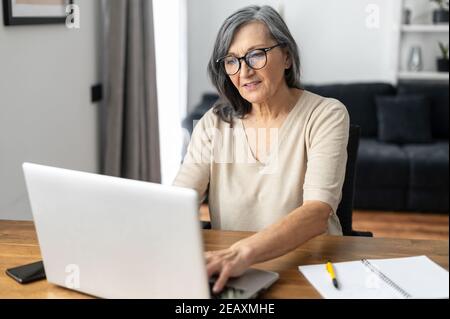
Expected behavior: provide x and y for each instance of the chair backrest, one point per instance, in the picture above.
(345, 208)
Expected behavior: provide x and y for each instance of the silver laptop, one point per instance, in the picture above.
(118, 238)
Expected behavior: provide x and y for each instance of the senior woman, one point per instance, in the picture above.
(256, 69)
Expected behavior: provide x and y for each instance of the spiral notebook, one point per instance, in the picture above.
(410, 277)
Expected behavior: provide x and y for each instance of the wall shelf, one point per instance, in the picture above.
(422, 33)
(425, 28)
(423, 75)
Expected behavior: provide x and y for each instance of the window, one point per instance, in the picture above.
(170, 24)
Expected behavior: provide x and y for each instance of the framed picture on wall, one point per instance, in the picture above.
(17, 12)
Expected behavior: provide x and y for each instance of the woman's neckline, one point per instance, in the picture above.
(281, 130)
(294, 102)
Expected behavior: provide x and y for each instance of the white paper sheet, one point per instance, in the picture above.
(419, 276)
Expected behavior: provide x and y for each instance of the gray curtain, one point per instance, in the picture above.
(129, 112)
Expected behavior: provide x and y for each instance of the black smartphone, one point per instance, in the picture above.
(27, 273)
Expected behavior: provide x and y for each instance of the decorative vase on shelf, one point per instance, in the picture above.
(406, 16)
(442, 62)
(440, 16)
(442, 65)
(415, 59)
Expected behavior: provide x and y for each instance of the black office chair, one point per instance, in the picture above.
(345, 208)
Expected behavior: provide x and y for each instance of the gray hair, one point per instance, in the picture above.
(231, 103)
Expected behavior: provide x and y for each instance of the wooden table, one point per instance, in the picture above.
(18, 245)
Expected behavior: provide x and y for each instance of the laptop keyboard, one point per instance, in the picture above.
(226, 293)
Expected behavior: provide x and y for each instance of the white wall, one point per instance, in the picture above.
(336, 44)
(340, 42)
(45, 111)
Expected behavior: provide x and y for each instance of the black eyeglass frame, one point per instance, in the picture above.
(245, 57)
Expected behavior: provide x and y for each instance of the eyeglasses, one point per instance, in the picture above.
(255, 59)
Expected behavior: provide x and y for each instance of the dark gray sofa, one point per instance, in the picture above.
(389, 176)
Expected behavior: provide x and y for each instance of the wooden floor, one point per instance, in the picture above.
(393, 224)
(402, 224)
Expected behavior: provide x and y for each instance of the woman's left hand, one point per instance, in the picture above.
(230, 262)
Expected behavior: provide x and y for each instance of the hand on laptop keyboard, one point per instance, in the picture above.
(227, 292)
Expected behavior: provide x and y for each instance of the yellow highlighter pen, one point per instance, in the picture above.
(332, 274)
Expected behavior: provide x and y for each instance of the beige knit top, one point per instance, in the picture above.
(306, 162)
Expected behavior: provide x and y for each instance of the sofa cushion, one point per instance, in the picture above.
(403, 119)
(359, 98)
(428, 165)
(437, 93)
(381, 165)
